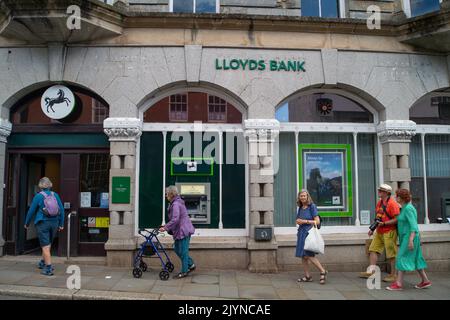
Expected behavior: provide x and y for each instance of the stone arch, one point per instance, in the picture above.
(422, 110)
(149, 100)
(363, 98)
(25, 91)
(438, 92)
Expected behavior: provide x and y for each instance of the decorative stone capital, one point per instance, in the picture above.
(122, 129)
(261, 130)
(5, 129)
(396, 131)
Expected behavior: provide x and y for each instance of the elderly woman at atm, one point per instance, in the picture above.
(181, 228)
(47, 225)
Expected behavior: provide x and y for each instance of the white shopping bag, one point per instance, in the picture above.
(314, 241)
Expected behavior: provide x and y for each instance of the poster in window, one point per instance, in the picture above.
(324, 173)
(85, 199)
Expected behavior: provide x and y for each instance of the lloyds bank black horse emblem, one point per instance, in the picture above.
(50, 102)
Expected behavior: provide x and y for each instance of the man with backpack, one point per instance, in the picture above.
(385, 236)
(49, 211)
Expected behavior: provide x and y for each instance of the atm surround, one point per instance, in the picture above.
(197, 198)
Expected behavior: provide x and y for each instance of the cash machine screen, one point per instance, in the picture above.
(196, 208)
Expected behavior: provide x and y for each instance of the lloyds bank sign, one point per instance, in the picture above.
(270, 65)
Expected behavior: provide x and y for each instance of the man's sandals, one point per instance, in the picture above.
(323, 277)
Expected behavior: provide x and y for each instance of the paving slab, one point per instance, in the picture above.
(230, 292)
(228, 278)
(205, 279)
(324, 295)
(134, 285)
(201, 290)
(249, 279)
(12, 276)
(170, 290)
(292, 294)
(257, 292)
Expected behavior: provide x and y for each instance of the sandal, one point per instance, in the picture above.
(323, 277)
(305, 279)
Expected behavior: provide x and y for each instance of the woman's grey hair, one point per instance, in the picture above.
(45, 183)
(172, 189)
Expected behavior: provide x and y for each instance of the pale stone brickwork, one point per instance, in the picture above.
(123, 134)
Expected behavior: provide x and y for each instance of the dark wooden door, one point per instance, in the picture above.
(70, 174)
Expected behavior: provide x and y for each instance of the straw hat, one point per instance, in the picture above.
(385, 188)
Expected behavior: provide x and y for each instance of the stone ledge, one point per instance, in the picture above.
(204, 242)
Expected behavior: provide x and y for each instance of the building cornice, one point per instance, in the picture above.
(123, 129)
(101, 21)
(396, 131)
(5, 129)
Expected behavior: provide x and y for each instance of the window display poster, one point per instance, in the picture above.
(324, 174)
(325, 170)
(85, 199)
(104, 200)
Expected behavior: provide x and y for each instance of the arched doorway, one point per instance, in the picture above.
(72, 150)
(193, 138)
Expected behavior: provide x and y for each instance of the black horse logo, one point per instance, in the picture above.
(50, 102)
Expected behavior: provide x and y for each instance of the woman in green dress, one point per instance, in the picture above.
(409, 256)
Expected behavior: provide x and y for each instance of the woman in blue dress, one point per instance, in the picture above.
(307, 216)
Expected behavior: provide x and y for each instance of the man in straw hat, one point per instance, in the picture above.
(385, 236)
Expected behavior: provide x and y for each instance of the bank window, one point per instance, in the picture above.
(217, 109)
(431, 110)
(94, 180)
(99, 111)
(320, 8)
(323, 107)
(195, 6)
(420, 7)
(178, 110)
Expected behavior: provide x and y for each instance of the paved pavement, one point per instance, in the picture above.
(22, 279)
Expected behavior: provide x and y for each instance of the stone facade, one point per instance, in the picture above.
(132, 66)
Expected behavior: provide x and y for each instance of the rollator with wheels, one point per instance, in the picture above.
(151, 247)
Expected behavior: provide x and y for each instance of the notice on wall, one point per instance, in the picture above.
(121, 189)
(365, 217)
(85, 199)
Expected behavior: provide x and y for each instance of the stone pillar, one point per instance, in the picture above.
(5, 130)
(123, 135)
(395, 138)
(261, 135)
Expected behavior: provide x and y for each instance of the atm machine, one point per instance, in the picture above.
(197, 198)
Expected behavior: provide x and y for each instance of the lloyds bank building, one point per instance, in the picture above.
(240, 104)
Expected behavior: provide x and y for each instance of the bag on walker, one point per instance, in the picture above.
(314, 241)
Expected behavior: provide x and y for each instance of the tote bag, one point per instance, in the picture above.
(314, 241)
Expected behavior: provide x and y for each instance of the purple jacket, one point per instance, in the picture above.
(179, 225)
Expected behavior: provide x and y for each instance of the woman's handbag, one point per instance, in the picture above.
(314, 241)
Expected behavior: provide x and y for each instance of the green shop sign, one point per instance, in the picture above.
(250, 64)
(121, 189)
